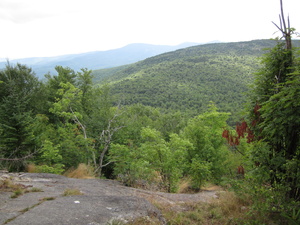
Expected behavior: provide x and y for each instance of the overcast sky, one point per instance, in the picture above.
(35, 28)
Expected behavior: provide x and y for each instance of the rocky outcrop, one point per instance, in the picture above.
(96, 201)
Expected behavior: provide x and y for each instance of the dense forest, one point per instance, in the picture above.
(167, 119)
(187, 79)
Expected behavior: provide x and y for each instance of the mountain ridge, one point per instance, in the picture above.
(97, 59)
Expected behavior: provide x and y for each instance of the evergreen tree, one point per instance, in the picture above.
(19, 101)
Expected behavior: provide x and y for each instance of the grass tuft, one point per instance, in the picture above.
(31, 168)
(34, 189)
(69, 192)
(8, 185)
(17, 193)
(47, 199)
(184, 185)
(83, 171)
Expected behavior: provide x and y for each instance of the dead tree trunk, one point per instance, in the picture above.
(284, 28)
(105, 139)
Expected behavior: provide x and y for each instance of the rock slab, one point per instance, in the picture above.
(101, 202)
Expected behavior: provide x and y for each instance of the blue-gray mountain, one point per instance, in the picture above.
(96, 60)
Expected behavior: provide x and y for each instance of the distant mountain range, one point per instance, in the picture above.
(97, 60)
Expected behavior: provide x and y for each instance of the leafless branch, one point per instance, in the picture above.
(19, 159)
(77, 121)
(286, 31)
(106, 138)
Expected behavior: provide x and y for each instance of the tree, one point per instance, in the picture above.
(19, 101)
(85, 84)
(53, 84)
(275, 115)
(134, 118)
(71, 134)
(205, 133)
(65, 74)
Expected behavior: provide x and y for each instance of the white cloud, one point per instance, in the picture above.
(54, 27)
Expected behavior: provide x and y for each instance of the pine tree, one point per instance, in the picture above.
(19, 98)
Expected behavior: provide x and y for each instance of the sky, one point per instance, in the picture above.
(44, 28)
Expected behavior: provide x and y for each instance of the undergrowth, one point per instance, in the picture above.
(228, 209)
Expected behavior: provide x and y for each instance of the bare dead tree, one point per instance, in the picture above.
(284, 28)
(287, 32)
(106, 140)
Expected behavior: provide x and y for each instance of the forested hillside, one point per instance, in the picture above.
(187, 79)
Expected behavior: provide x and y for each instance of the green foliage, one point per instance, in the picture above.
(68, 135)
(103, 74)
(205, 133)
(129, 165)
(274, 116)
(199, 152)
(267, 204)
(50, 159)
(200, 171)
(277, 123)
(274, 71)
(59, 133)
(56, 168)
(137, 116)
(85, 84)
(53, 84)
(80, 113)
(67, 102)
(50, 153)
(169, 162)
(280, 113)
(154, 156)
(101, 111)
(65, 75)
